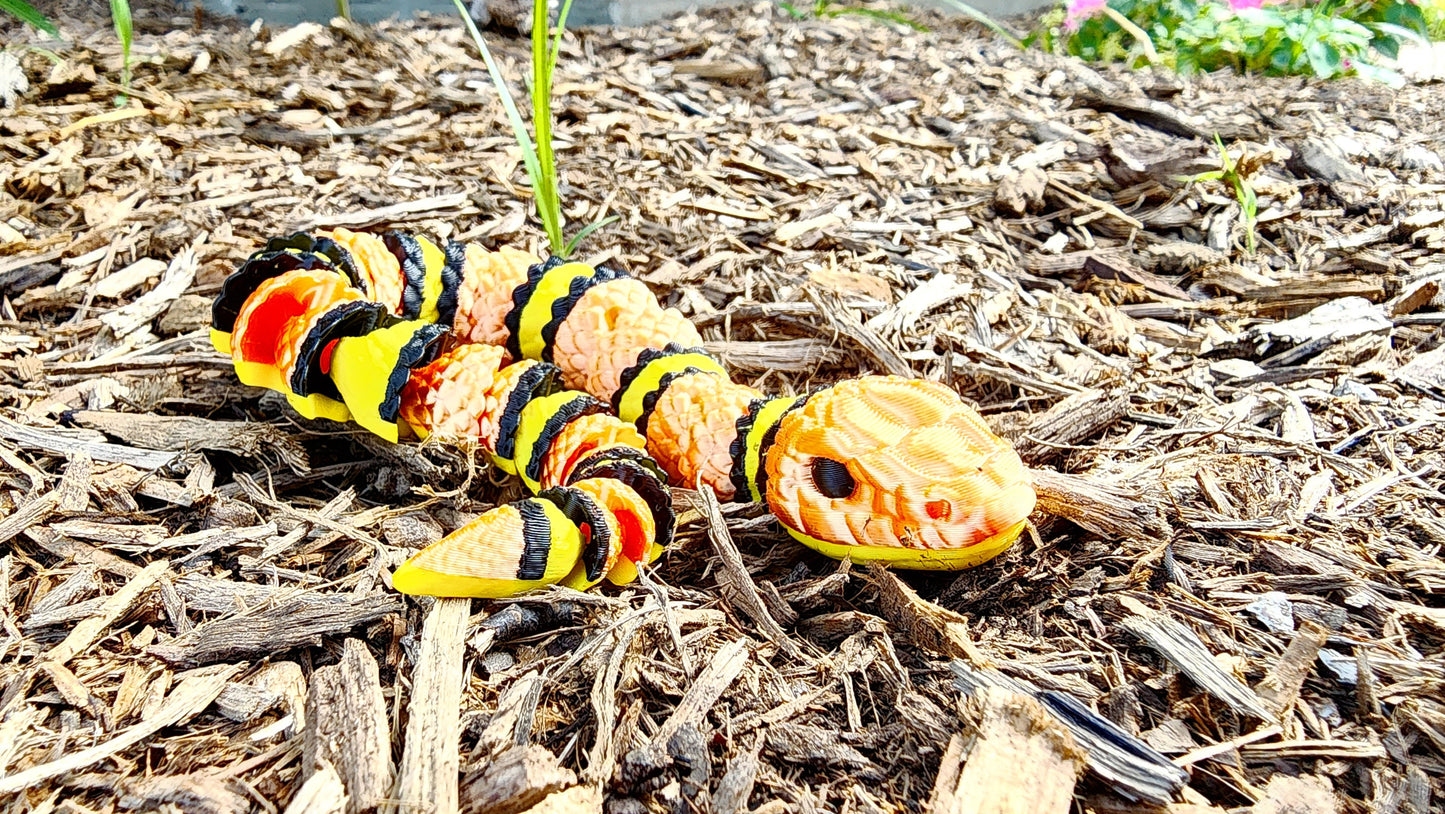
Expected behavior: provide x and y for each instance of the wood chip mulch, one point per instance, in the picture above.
(1231, 599)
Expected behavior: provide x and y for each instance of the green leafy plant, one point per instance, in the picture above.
(27, 14)
(343, 9)
(1296, 37)
(120, 17)
(1434, 11)
(538, 155)
(1232, 175)
(823, 9)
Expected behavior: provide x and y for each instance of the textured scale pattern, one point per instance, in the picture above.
(877, 468)
(383, 270)
(692, 428)
(608, 327)
(485, 294)
(918, 457)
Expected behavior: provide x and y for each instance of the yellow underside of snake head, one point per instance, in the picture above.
(898, 471)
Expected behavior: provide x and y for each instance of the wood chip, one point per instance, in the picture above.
(347, 733)
(430, 762)
(980, 772)
(1182, 647)
(196, 690)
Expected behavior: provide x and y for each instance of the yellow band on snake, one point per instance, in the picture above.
(768, 415)
(554, 285)
(434, 261)
(631, 406)
(530, 424)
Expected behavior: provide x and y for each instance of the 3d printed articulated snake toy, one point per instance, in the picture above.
(578, 381)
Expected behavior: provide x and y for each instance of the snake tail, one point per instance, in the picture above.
(579, 382)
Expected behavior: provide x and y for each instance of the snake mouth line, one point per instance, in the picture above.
(917, 559)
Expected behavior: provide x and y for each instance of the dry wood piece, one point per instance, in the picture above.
(576, 800)
(322, 793)
(1016, 759)
(346, 728)
(196, 690)
(210, 794)
(734, 579)
(1297, 795)
(427, 779)
(84, 635)
(820, 748)
(701, 697)
(791, 355)
(181, 433)
(840, 319)
(28, 515)
(511, 723)
(268, 630)
(1280, 689)
(1075, 419)
(929, 626)
(514, 781)
(1110, 510)
(69, 442)
(736, 786)
(1183, 649)
(1123, 761)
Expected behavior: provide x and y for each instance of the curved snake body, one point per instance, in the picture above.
(575, 379)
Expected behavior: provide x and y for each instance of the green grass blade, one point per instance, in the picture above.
(992, 24)
(557, 37)
(27, 14)
(514, 116)
(587, 230)
(881, 15)
(120, 16)
(549, 206)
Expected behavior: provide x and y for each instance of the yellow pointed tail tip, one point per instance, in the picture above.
(416, 580)
(485, 558)
(919, 559)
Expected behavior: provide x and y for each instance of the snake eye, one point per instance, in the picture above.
(832, 478)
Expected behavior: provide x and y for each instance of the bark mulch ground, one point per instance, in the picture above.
(1237, 558)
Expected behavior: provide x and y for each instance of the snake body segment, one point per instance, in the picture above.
(578, 381)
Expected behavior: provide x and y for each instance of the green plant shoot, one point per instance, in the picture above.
(120, 16)
(823, 9)
(1229, 174)
(538, 156)
(993, 25)
(28, 14)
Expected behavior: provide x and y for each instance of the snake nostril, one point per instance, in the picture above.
(938, 509)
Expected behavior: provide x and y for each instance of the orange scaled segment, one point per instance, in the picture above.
(608, 327)
(383, 272)
(692, 429)
(583, 437)
(485, 294)
(275, 319)
(453, 396)
(630, 523)
(462, 394)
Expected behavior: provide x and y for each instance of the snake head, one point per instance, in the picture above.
(896, 470)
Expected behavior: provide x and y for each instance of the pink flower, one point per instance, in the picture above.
(1080, 10)
(1243, 4)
